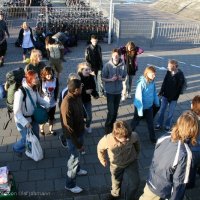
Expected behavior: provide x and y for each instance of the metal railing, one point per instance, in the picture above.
(159, 33)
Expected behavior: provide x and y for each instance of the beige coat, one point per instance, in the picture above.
(119, 154)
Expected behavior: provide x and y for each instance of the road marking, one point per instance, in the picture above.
(155, 56)
(195, 66)
(160, 68)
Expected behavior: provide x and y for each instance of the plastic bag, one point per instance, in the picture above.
(33, 147)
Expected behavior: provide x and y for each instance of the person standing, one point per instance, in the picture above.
(123, 148)
(73, 122)
(93, 55)
(145, 97)
(130, 52)
(3, 46)
(3, 24)
(49, 91)
(88, 90)
(113, 73)
(171, 164)
(170, 91)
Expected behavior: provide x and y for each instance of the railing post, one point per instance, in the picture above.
(47, 19)
(110, 23)
(153, 33)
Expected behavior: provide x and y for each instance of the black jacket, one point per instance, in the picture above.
(88, 83)
(172, 85)
(21, 36)
(93, 55)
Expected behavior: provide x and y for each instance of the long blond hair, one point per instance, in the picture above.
(186, 127)
(147, 70)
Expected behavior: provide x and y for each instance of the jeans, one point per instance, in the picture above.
(113, 101)
(88, 108)
(133, 179)
(148, 115)
(19, 146)
(163, 107)
(73, 163)
(127, 84)
(99, 83)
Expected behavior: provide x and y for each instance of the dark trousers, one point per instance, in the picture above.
(148, 115)
(113, 101)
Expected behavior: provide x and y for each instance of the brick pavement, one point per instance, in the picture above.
(46, 179)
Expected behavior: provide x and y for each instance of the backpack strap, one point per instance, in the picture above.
(24, 97)
(31, 99)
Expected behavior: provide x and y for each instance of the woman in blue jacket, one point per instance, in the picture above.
(145, 97)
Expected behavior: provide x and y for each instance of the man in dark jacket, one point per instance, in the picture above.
(73, 121)
(3, 25)
(170, 91)
(93, 55)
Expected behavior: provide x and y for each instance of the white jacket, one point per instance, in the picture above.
(23, 114)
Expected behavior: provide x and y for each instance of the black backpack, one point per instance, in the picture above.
(13, 83)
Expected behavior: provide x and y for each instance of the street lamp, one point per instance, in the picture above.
(110, 22)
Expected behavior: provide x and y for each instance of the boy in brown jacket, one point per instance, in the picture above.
(123, 148)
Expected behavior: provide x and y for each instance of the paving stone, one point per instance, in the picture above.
(45, 163)
(45, 186)
(13, 165)
(6, 156)
(52, 153)
(89, 197)
(99, 169)
(60, 162)
(83, 181)
(21, 176)
(3, 149)
(9, 140)
(28, 164)
(97, 181)
(59, 184)
(36, 174)
(26, 187)
(53, 173)
(92, 158)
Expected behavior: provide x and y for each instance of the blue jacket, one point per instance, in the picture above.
(145, 95)
(170, 169)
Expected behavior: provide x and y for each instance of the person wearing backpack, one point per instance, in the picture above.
(49, 91)
(23, 109)
(170, 91)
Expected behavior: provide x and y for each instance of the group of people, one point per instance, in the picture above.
(113, 80)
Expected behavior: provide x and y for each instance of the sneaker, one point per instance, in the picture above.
(129, 96)
(62, 141)
(123, 98)
(75, 189)
(88, 129)
(157, 127)
(82, 172)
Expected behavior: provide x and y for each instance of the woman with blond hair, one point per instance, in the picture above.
(35, 63)
(26, 40)
(171, 164)
(88, 90)
(130, 52)
(145, 97)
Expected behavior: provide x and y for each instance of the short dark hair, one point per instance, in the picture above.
(73, 84)
(116, 51)
(94, 37)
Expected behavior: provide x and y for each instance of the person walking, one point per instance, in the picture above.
(3, 46)
(113, 73)
(130, 52)
(26, 39)
(73, 122)
(23, 110)
(170, 91)
(145, 97)
(93, 55)
(123, 148)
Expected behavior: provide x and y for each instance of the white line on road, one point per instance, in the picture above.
(195, 66)
(155, 56)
